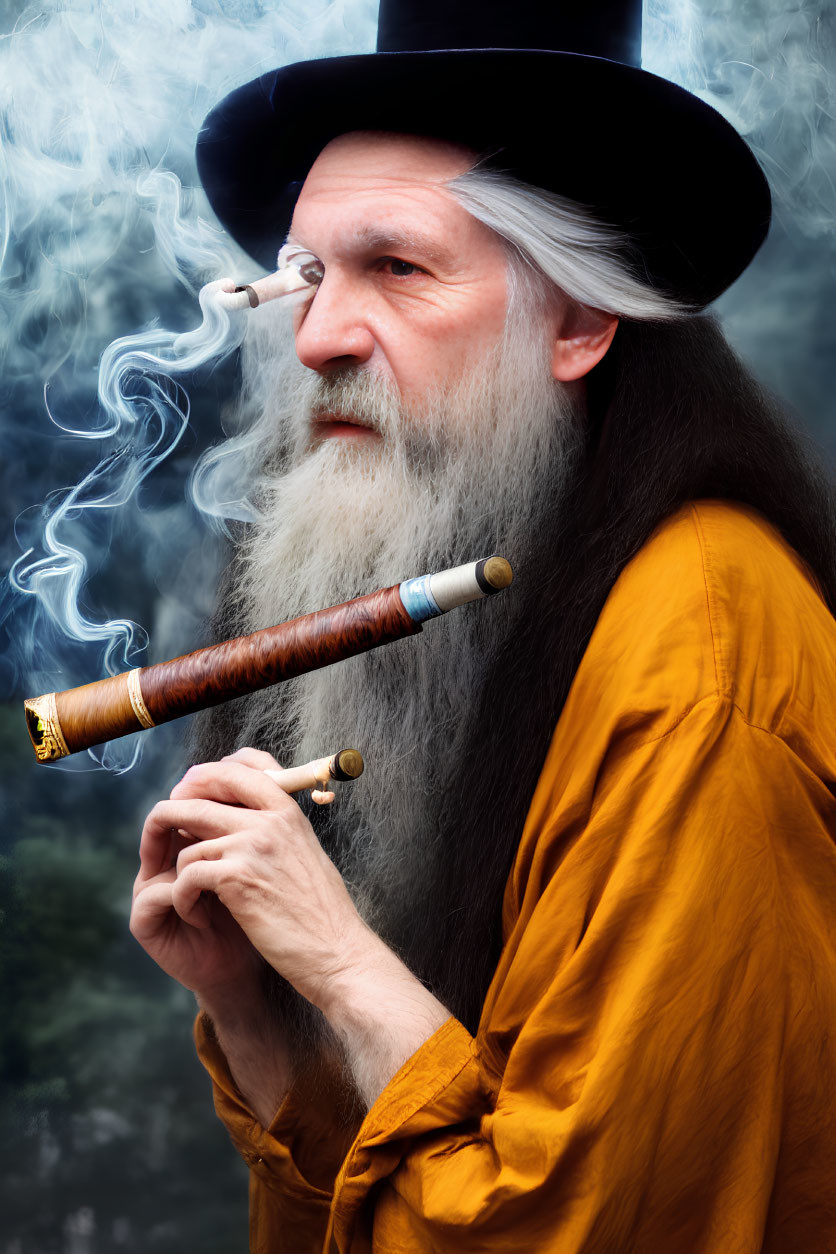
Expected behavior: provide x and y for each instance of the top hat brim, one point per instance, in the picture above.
(644, 154)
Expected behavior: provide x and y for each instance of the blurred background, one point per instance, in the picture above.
(107, 1137)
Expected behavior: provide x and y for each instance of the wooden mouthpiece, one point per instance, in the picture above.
(347, 764)
(496, 572)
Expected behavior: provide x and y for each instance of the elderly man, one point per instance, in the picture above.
(558, 974)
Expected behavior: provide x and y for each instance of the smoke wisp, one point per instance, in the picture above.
(105, 237)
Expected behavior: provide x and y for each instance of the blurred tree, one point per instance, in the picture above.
(107, 1140)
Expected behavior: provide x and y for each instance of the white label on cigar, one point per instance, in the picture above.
(431, 595)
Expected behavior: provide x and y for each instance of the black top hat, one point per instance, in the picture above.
(554, 95)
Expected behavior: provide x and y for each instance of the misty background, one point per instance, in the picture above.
(107, 1137)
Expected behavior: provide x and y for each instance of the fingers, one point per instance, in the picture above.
(151, 909)
(197, 877)
(162, 842)
(201, 851)
(151, 915)
(206, 805)
(157, 927)
(256, 758)
(159, 848)
(232, 783)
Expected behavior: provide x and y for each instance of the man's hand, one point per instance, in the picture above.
(254, 852)
(209, 954)
(213, 957)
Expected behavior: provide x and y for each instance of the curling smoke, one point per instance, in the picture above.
(103, 232)
(144, 414)
(100, 229)
(768, 68)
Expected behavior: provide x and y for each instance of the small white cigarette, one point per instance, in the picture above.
(236, 296)
(298, 269)
(345, 765)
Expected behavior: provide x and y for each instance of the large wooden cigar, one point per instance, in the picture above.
(60, 723)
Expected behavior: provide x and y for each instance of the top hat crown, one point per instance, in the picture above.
(610, 28)
(552, 94)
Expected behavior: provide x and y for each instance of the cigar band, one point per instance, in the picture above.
(418, 600)
(138, 706)
(45, 728)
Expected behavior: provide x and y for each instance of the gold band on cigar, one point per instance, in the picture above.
(44, 728)
(138, 706)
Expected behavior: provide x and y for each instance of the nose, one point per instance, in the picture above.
(332, 332)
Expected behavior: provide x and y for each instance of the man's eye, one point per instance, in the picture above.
(401, 268)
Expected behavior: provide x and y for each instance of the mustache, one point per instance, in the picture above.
(416, 436)
(357, 394)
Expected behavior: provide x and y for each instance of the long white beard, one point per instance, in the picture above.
(479, 469)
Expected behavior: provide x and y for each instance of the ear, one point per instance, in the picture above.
(583, 337)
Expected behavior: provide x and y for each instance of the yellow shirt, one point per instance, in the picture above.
(655, 1068)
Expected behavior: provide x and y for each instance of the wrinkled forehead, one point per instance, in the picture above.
(369, 186)
(386, 154)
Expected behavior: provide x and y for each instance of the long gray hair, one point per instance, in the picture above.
(672, 416)
(563, 245)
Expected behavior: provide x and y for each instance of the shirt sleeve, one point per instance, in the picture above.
(288, 1214)
(628, 1085)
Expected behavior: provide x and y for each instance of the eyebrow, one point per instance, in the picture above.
(381, 240)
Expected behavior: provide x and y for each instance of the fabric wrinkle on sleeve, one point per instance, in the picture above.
(287, 1213)
(650, 1022)
(440, 1081)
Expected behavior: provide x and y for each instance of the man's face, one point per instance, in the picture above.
(410, 333)
(414, 289)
